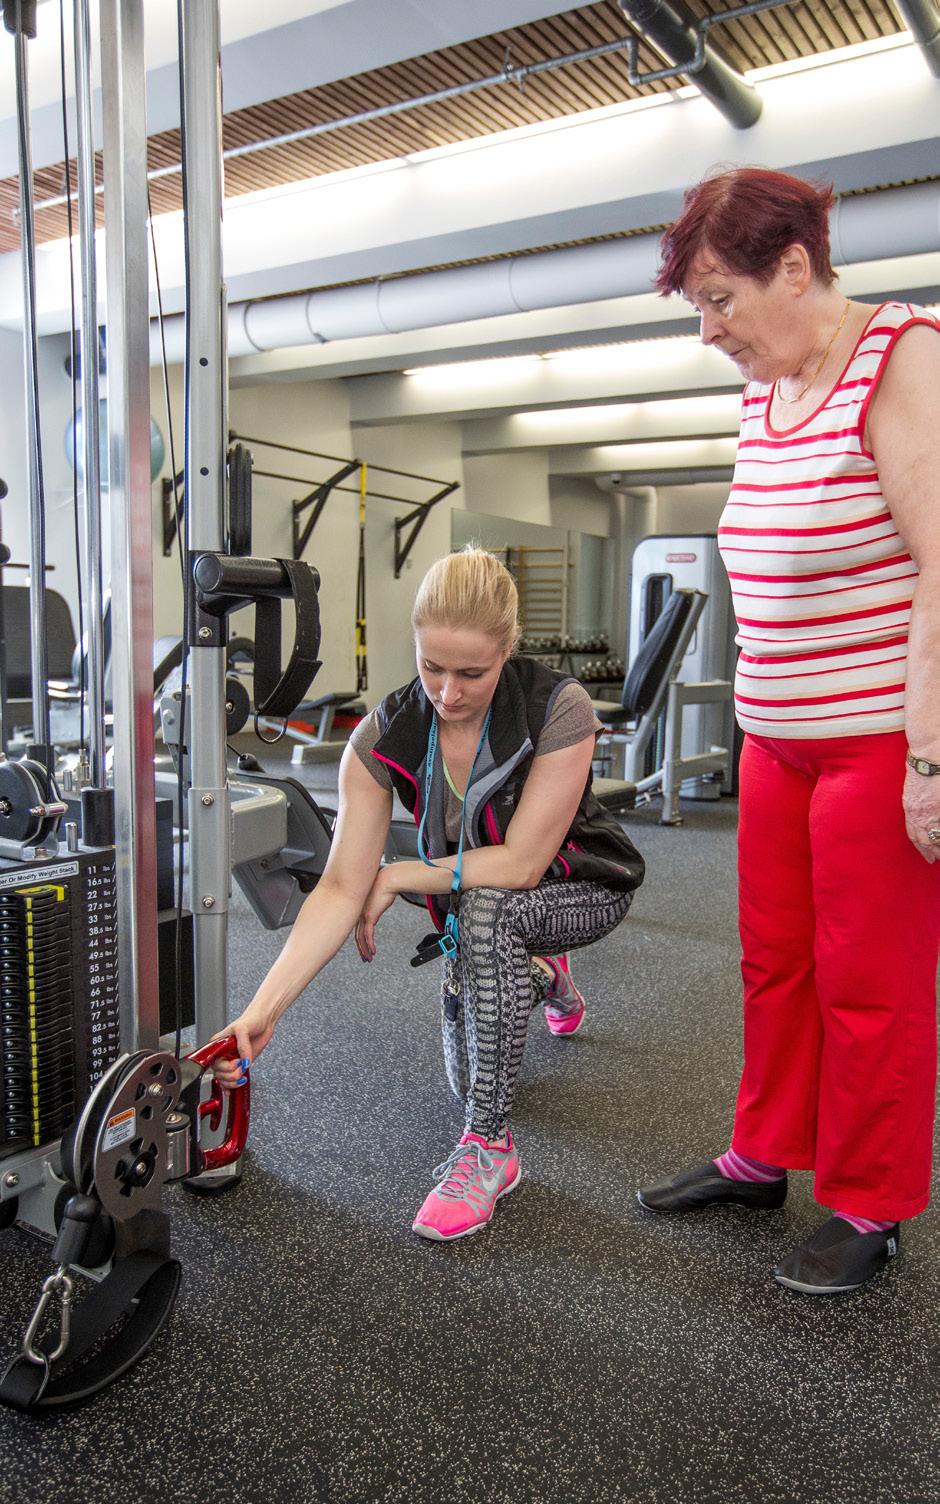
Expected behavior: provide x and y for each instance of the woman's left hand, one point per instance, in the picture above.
(381, 897)
(922, 812)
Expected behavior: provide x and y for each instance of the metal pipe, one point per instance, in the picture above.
(38, 652)
(864, 227)
(91, 417)
(123, 95)
(316, 454)
(508, 75)
(922, 20)
(674, 33)
(307, 480)
(206, 381)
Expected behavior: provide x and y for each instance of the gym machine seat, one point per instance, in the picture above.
(60, 639)
(318, 746)
(650, 689)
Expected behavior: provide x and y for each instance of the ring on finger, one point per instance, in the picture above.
(934, 834)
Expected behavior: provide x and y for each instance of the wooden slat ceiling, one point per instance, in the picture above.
(798, 30)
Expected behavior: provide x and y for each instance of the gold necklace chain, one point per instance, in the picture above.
(822, 361)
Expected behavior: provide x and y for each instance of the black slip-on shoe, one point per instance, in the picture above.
(692, 1190)
(837, 1259)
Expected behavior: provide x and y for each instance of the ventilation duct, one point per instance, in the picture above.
(895, 222)
(922, 20)
(671, 30)
(864, 227)
(623, 482)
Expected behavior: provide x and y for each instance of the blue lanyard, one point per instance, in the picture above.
(449, 940)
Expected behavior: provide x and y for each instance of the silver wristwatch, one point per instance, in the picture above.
(921, 765)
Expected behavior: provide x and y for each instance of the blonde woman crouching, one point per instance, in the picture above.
(492, 755)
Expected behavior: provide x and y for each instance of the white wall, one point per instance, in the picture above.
(431, 449)
(509, 485)
(690, 509)
(577, 504)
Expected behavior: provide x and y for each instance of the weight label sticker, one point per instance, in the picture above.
(119, 1130)
(38, 875)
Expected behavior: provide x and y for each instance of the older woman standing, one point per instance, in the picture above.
(831, 538)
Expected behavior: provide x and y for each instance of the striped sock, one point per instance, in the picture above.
(863, 1224)
(735, 1166)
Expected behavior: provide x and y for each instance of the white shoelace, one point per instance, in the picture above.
(455, 1178)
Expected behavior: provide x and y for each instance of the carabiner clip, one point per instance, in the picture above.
(59, 1281)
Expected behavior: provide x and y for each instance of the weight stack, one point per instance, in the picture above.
(59, 1018)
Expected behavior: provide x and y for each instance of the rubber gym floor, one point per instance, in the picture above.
(579, 1349)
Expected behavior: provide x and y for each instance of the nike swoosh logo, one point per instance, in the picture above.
(489, 1184)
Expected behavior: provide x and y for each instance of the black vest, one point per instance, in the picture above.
(595, 848)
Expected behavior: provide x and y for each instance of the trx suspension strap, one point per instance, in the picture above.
(362, 662)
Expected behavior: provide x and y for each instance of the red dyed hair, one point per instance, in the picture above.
(746, 218)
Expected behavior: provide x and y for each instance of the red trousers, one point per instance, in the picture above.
(840, 923)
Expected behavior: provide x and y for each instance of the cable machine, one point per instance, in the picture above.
(96, 1117)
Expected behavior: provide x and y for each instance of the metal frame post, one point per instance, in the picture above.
(204, 483)
(88, 346)
(39, 657)
(123, 92)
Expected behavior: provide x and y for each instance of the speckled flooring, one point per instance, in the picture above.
(578, 1350)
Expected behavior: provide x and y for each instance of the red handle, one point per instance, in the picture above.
(239, 1106)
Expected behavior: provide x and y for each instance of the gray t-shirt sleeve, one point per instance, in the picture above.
(571, 721)
(362, 740)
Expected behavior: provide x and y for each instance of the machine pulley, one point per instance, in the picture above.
(30, 807)
(139, 1129)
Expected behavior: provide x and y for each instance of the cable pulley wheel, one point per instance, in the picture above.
(131, 1148)
(23, 788)
(77, 1151)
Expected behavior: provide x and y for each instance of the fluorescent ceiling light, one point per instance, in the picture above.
(826, 59)
(475, 371)
(587, 357)
(648, 353)
(653, 454)
(714, 408)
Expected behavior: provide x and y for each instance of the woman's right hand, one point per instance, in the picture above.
(252, 1030)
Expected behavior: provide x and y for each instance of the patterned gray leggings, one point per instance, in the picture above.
(488, 993)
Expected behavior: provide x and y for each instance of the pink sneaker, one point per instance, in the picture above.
(564, 1005)
(469, 1184)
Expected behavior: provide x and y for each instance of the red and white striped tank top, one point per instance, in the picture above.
(820, 577)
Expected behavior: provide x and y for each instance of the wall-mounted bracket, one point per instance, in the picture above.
(317, 499)
(416, 519)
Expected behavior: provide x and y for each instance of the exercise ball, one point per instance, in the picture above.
(76, 448)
